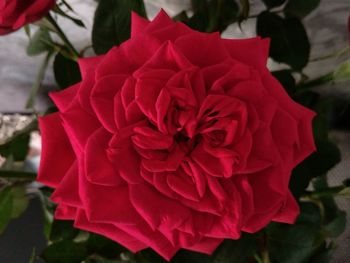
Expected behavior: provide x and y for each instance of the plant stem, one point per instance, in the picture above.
(326, 192)
(316, 82)
(64, 38)
(265, 256)
(333, 55)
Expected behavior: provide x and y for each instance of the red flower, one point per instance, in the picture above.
(16, 13)
(175, 139)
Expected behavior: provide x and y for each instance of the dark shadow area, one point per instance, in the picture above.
(22, 235)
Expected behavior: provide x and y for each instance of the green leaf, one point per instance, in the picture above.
(6, 204)
(345, 193)
(16, 146)
(185, 256)
(112, 23)
(342, 72)
(317, 164)
(337, 226)
(287, 80)
(300, 8)
(38, 80)
(321, 122)
(40, 42)
(244, 12)
(323, 255)
(334, 219)
(66, 71)
(65, 251)
(17, 174)
(289, 41)
(62, 230)
(237, 251)
(97, 244)
(273, 3)
(214, 15)
(20, 201)
(76, 21)
(13, 202)
(296, 243)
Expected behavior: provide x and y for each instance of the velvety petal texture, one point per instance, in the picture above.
(16, 13)
(175, 139)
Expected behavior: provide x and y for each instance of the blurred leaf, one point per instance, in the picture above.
(6, 203)
(112, 23)
(185, 256)
(244, 12)
(17, 146)
(20, 201)
(66, 71)
(322, 256)
(345, 193)
(237, 251)
(40, 42)
(289, 41)
(13, 202)
(300, 8)
(48, 210)
(214, 15)
(337, 225)
(62, 230)
(76, 21)
(97, 244)
(38, 80)
(273, 3)
(334, 219)
(296, 243)
(321, 121)
(287, 80)
(342, 72)
(17, 174)
(65, 251)
(317, 164)
(96, 259)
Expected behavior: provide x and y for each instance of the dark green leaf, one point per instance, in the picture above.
(333, 218)
(321, 121)
(16, 146)
(296, 243)
(20, 201)
(6, 203)
(326, 156)
(337, 225)
(63, 229)
(238, 251)
(66, 71)
(185, 256)
(244, 12)
(112, 23)
(17, 174)
(97, 244)
(13, 202)
(273, 3)
(289, 41)
(76, 21)
(323, 255)
(214, 15)
(65, 251)
(287, 80)
(38, 80)
(40, 42)
(300, 8)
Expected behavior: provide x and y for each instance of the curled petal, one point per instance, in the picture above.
(55, 148)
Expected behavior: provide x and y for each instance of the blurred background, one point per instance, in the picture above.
(327, 31)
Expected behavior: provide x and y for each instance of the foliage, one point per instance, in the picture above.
(311, 239)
